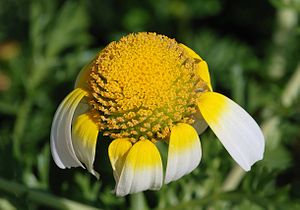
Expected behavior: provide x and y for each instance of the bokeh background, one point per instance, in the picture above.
(253, 51)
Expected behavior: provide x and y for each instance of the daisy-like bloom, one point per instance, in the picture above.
(140, 90)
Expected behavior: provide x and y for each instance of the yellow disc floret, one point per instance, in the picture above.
(143, 85)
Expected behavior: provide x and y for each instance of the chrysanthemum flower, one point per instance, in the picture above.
(140, 90)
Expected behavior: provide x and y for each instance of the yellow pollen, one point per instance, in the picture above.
(143, 85)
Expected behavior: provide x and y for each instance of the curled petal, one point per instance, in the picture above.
(202, 69)
(61, 142)
(184, 153)
(81, 108)
(142, 169)
(82, 77)
(84, 136)
(117, 151)
(235, 128)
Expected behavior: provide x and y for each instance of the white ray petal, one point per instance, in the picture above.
(61, 142)
(235, 128)
(84, 137)
(184, 153)
(142, 169)
(117, 151)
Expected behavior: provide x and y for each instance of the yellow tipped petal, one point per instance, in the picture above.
(84, 74)
(84, 136)
(202, 70)
(191, 52)
(184, 153)
(235, 128)
(117, 151)
(61, 142)
(142, 169)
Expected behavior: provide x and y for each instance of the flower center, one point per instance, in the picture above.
(143, 85)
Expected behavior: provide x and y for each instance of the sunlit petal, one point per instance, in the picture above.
(117, 151)
(184, 152)
(202, 70)
(83, 76)
(234, 127)
(84, 136)
(142, 169)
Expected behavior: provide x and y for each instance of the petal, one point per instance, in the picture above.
(117, 151)
(236, 129)
(81, 108)
(184, 153)
(142, 169)
(82, 77)
(84, 136)
(200, 124)
(61, 142)
(202, 71)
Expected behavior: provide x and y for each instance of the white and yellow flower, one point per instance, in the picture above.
(143, 89)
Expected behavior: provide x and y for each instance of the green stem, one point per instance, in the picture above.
(286, 22)
(292, 89)
(40, 197)
(138, 201)
(233, 179)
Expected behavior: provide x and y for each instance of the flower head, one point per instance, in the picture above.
(143, 89)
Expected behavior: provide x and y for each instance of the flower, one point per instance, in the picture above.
(140, 90)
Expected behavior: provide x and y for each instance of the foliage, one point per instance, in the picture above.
(252, 48)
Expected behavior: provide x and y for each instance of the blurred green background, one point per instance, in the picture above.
(253, 51)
